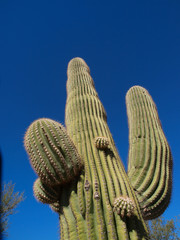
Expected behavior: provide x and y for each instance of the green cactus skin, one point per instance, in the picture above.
(101, 201)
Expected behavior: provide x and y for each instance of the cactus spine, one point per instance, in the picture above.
(81, 174)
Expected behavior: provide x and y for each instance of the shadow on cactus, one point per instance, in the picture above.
(80, 172)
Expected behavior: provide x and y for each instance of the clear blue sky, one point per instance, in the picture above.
(125, 43)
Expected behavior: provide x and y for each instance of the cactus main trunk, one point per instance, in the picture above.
(100, 200)
(104, 172)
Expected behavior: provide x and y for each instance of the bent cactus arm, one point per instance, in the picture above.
(150, 160)
(81, 174)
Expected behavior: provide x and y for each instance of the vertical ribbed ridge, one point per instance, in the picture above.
(63, 227)
(150, 160)
(80, 194)
(79, 221)
(104, 172)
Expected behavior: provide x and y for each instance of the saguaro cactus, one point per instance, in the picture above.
(80, 172)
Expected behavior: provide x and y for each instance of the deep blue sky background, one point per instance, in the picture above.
(125, 43)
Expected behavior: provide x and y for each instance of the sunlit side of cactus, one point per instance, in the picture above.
(80, 172)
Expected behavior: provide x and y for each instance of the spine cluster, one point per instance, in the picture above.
(124, 206)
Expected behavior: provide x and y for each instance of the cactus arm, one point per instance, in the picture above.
(52, 153)
(150, 160)
(44, 193)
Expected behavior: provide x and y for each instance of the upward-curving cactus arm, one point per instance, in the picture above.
(80, 172)
(53, 154)
(150, 160)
